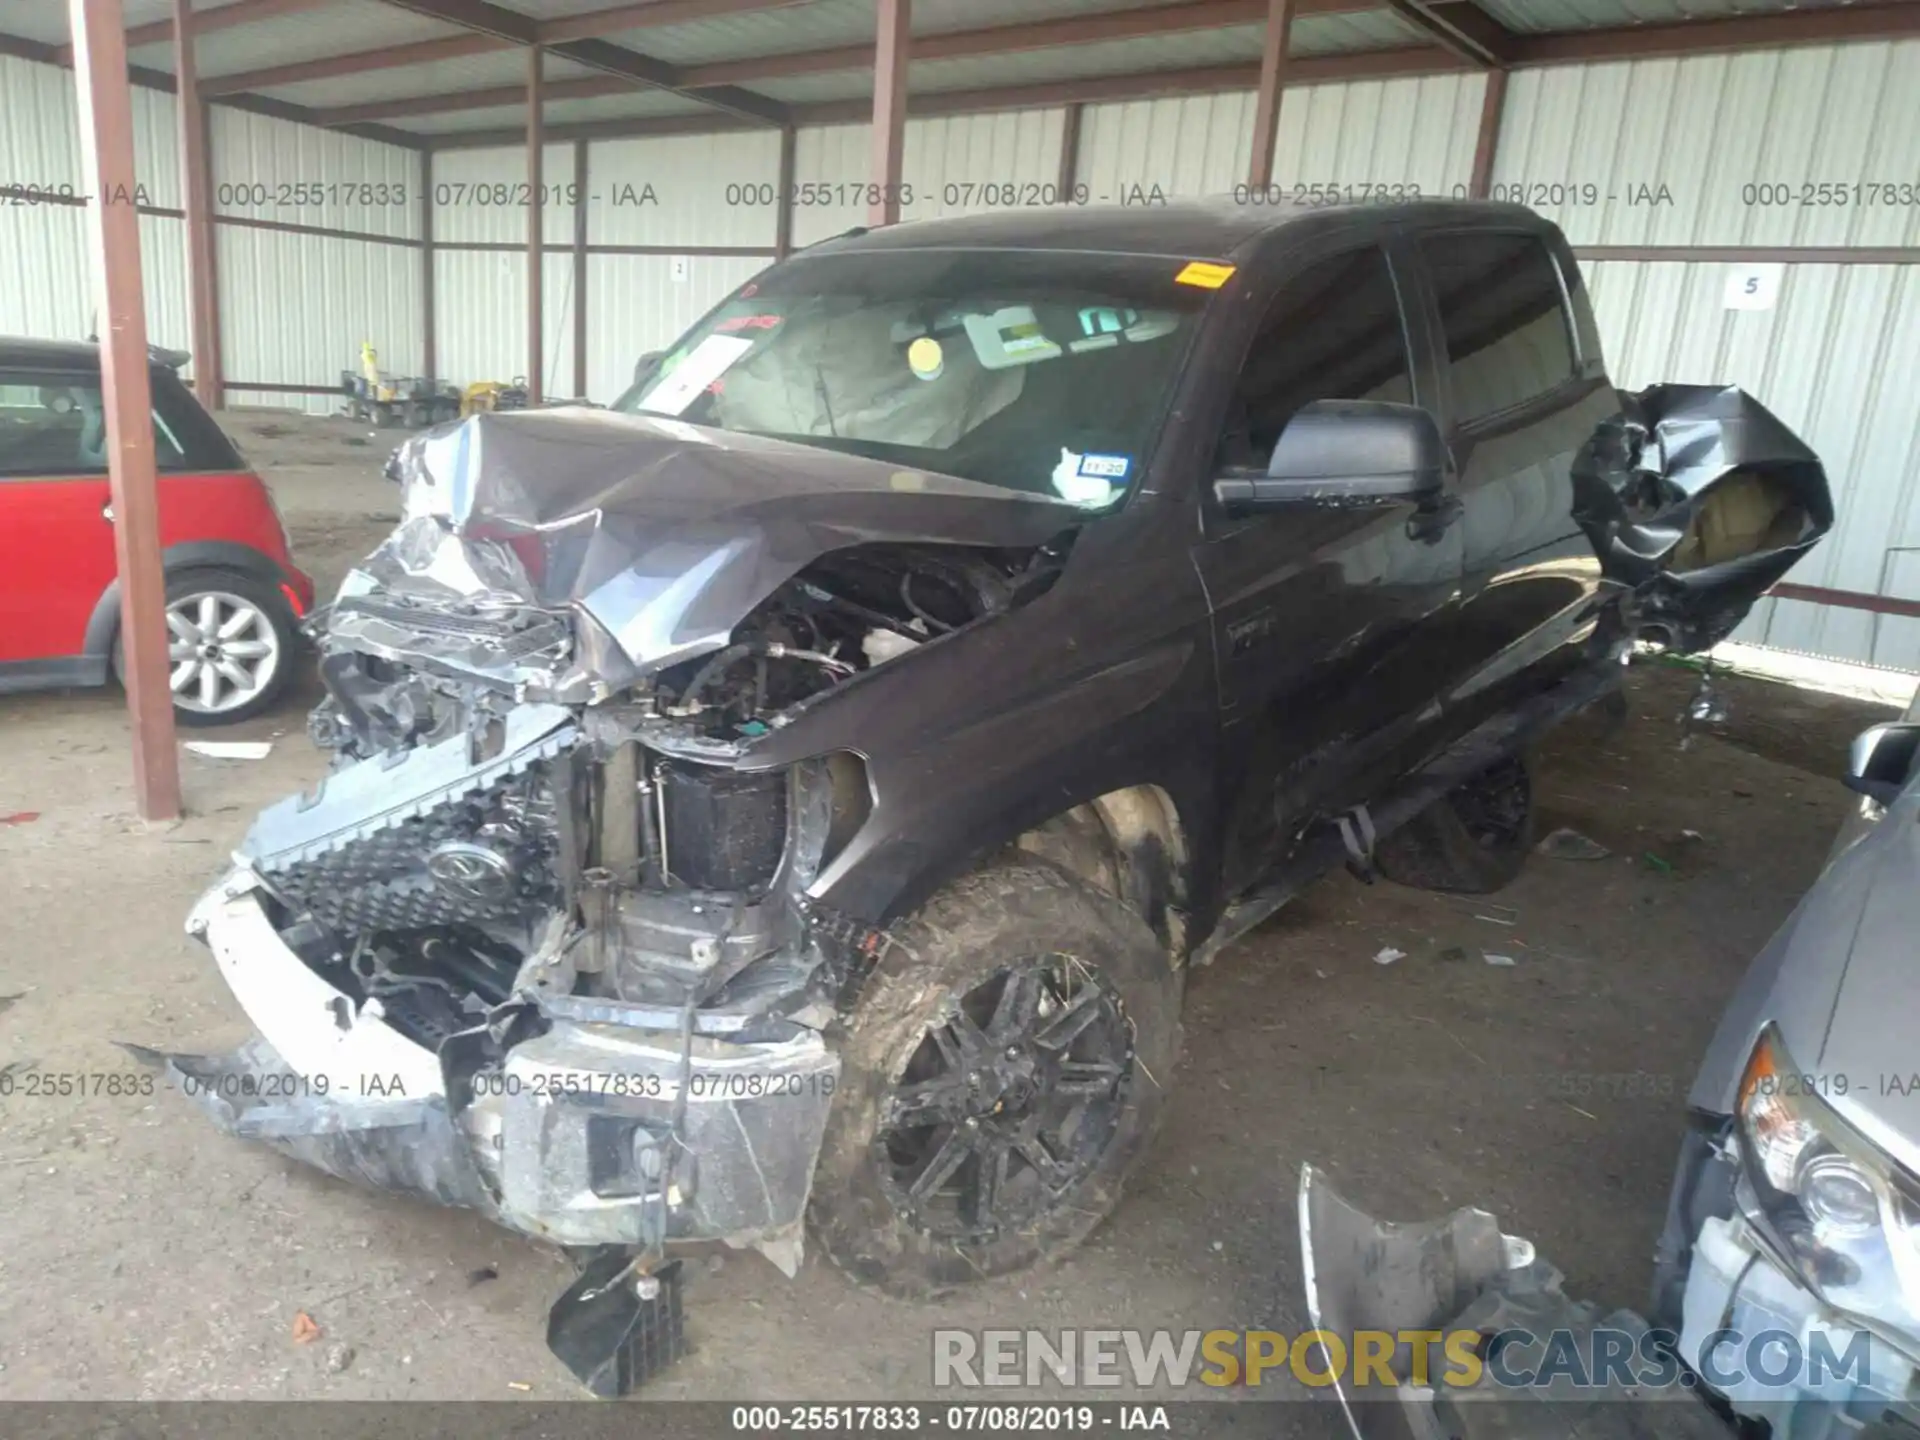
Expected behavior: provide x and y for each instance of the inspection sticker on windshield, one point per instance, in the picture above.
(1205, 274)
(1104, 467)
(1073, 482)
(703, 365)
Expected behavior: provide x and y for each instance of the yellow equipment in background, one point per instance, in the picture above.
(488, 395)
(388, 400)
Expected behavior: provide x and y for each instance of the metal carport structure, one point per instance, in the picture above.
(388, 155)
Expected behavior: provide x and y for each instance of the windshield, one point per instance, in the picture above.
(1042, 372)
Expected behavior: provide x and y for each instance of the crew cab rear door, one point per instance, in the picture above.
(1519, 395)
(1325, 621)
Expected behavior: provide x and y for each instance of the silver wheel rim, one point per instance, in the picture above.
(223, 650)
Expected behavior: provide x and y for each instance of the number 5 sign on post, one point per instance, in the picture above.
(1753, 287)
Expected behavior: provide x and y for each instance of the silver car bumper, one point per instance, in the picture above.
(604, 1128)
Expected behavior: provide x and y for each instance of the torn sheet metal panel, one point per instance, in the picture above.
(1458, 1274)
(1699, 498)
(408, 1145)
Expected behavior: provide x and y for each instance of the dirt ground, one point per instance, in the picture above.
(144, 1256)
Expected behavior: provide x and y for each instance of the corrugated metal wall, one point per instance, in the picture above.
(296, 308)
(956, 165)
(1410, 132)
(480, 296)
(696, 191)
(1657, 153)
(45, 284)
(1702, 130)
(1673, 153)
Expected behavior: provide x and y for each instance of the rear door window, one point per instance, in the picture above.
(54, 423)
(1504, 317)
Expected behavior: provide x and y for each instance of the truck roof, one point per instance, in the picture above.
(1189, 229)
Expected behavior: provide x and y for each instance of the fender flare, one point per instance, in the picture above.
(104, 623)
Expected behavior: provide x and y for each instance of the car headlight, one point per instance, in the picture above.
(1842, 1213)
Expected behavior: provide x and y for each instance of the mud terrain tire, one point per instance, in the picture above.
(1473, 840)
(946, 991)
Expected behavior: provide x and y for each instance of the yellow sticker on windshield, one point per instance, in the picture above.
(925, 358)
(1205, 274)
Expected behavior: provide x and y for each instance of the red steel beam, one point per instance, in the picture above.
(454, 47)
(1492, 104)
(587, 87)
(242, 12)
(1266, 100)
(429, 322)
(331, 67)
(1459, 26)
(950, 45)
(113, 236)
(580, 179)
(1826, 26)
(1069, 171)
(651, 13)
(487, 18)
(1847, 599)
(892, 46)
(1028, 35)
(783, 202)
(203, 288)
(1203, 80)
(536, 232)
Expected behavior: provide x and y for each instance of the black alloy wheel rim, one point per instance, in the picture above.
(1008, 1102)
(1494, 807)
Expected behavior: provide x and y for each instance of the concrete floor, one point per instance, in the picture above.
(144, 1256)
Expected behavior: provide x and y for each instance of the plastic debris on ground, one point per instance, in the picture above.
(305, 1331)
(1565, 844)
(1504, 962)
(231, 749)
(20, 817)
(1388, 955)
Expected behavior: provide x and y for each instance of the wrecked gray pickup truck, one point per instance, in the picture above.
(797, 793)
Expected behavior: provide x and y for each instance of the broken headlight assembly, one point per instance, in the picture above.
(1838, 1212)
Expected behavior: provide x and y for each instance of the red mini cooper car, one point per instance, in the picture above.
(234, 597)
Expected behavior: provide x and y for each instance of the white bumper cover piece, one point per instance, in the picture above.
(342, 1048)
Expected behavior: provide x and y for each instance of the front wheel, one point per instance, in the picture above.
(1002, 1075)
(231, 643)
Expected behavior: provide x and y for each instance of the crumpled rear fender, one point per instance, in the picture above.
(1698, 498)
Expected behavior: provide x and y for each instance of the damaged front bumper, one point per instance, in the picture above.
(597, 1123)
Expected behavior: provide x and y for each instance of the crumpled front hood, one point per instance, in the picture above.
(663, 533)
